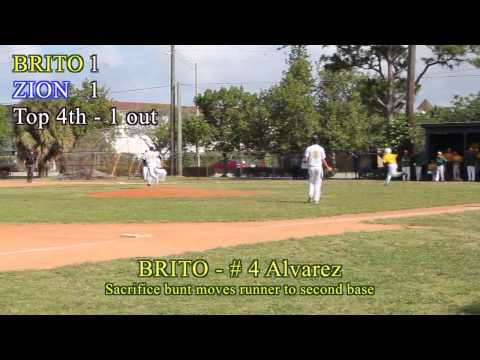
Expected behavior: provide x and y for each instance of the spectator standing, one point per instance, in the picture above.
(356, 163)
(405, 162)
(457, 162)
(30, 161)
(477, 163)
(440, 161)
(420, 160)
(432, 169)
(470, 164)
(448, 155)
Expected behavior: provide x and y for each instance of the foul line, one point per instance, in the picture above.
(358, 220)
(53, 248)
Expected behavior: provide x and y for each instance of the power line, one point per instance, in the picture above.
(455, 70)
(450, 76)
(232, 83)
(129, 90)
(229, 48)
(139, 89)
(185, 60)
(247, 83)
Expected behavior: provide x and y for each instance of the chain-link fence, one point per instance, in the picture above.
(95, 164)
(267, 165)
(82, 164)
(92, 165)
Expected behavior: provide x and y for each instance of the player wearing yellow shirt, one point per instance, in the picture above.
(390, 160)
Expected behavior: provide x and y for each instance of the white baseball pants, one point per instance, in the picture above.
(418, 173)
(471, 173)
(315, 183)
(456, 172)
(440, 174)
(406, 170)
(151, 175)
(161, 175)
(392, 172)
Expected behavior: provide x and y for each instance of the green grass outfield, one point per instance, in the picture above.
(274, 200)
(414, 271)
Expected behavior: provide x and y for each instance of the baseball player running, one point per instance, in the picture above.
(151, 160)
(315, 158)
(391, 161)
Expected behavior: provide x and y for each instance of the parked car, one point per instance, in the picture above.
(232, 165)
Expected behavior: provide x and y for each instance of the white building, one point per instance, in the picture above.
(131, 139)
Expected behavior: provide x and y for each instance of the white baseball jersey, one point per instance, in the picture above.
(151, 158)
(315, 155)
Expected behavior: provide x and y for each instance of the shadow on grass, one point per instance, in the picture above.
(472, 309)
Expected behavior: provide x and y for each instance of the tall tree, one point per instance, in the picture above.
(81, 97)
(300, 68)
(291, 105)
(388, 63)
(56, 137)
(160, 136)
(49, 141)
(224, 111)
(462, 109)
(259, 132)
(345, 123)
(197, 132)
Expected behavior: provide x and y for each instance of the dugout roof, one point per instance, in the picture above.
(456, 135)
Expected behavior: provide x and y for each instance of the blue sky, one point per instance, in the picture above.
(123, 69)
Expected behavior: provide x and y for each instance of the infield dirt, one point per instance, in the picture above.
(45, 246)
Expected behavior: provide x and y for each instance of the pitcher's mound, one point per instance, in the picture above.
(170, 192)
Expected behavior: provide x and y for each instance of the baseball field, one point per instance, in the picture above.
(416, 244)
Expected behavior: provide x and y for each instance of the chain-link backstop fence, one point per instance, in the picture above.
(97, 164)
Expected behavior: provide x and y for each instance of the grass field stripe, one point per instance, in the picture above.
(53, 248)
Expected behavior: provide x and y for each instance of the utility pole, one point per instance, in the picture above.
(172, 110)
(411, 91)
(196, 86)
(179, 133)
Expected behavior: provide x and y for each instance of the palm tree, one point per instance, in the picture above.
(48, 142)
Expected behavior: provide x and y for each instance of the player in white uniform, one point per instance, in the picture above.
(315, 158)
(160, 171)
(144, 166)
(151, 159)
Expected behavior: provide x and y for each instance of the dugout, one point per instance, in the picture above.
(458, 136)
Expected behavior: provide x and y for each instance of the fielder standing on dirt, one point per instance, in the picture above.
(315, 158)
